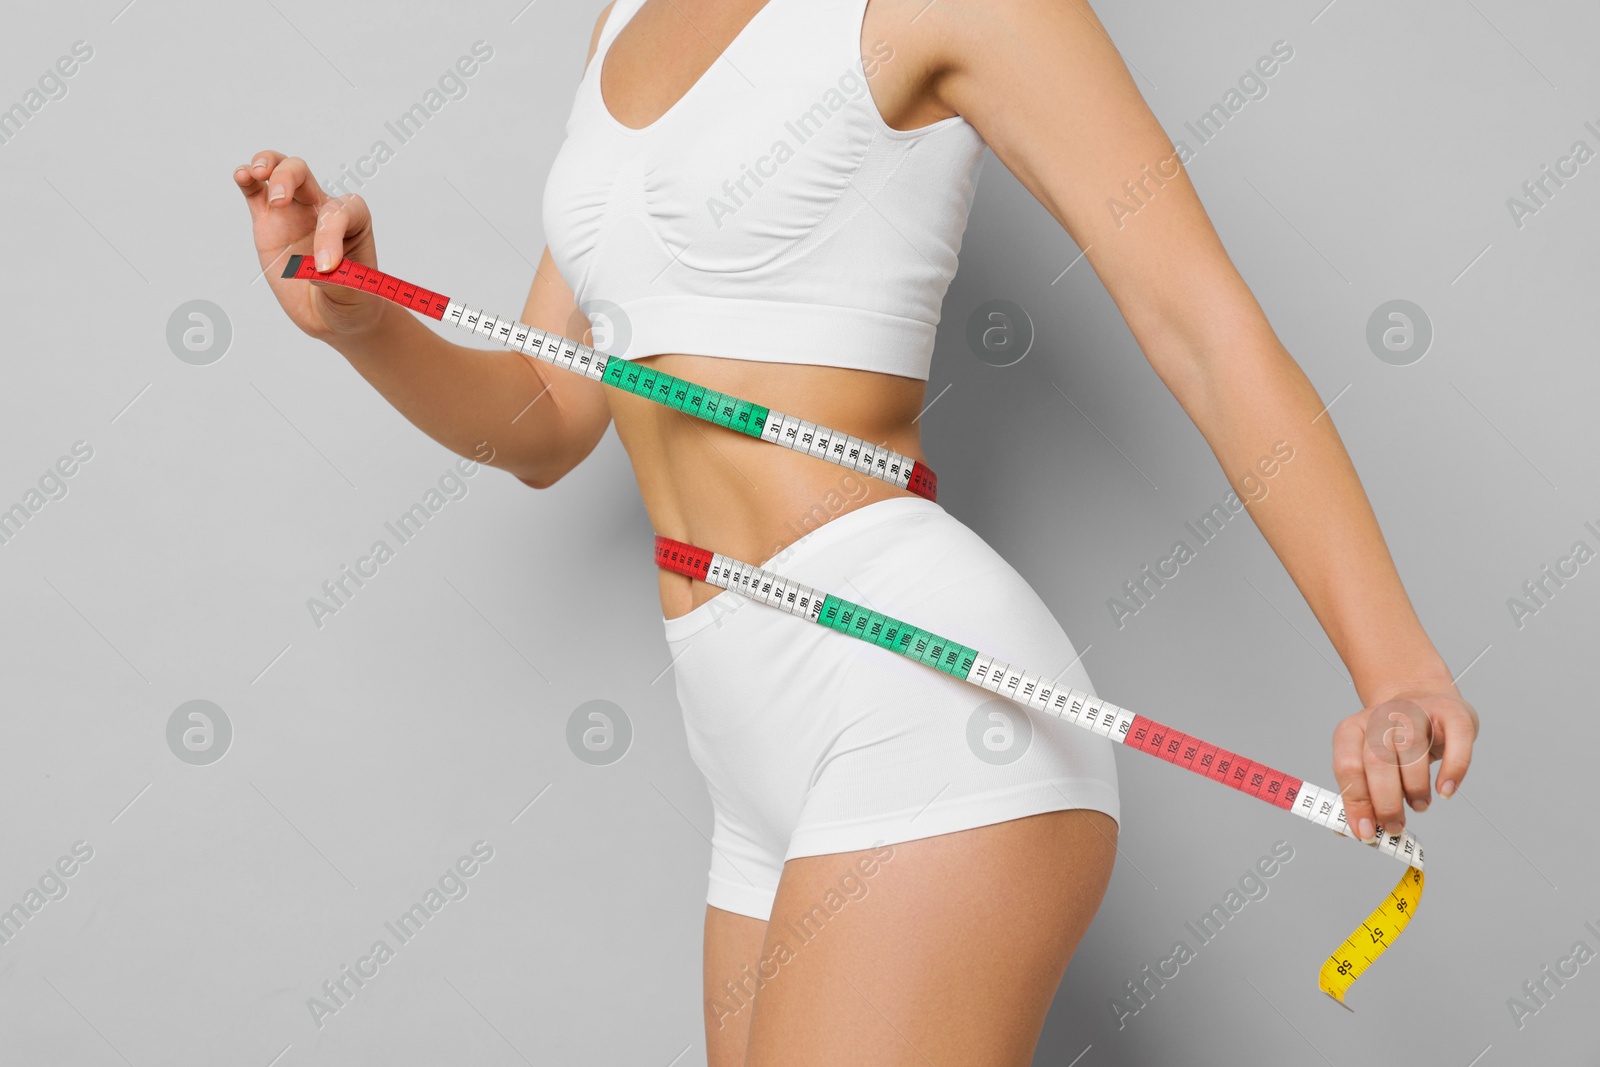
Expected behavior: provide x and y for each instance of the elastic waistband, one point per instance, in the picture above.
(831, 532)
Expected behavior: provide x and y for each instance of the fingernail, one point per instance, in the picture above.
(323, 263)
(274, 193)
(1421, 805)
(1447, 788)
(1364, 830)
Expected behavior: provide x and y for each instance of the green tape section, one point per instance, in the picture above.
(741, 416)
(680, 394)
(958, 660)
(895, 636)
(887, 635)
(861, 625)
(756, 424)
(887, 632)
(686, 396)
(662, 394)
(709, 403)
(630, 379)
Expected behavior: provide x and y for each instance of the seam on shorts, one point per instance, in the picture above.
(750, 900)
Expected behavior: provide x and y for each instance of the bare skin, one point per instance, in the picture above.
(918, 970)
(953, 955)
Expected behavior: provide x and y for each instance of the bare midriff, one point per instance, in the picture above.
(744, 497)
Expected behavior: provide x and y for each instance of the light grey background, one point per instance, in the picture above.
(369, 754)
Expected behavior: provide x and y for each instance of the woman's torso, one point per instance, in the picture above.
(702, 483)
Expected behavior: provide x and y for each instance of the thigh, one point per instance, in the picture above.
(732, 954)
(950, 951)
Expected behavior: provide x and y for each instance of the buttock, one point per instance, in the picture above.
(813, 742)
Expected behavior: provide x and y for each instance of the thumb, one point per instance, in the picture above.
(344, 226)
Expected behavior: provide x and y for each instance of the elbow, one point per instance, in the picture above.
(538, 479)
(535, 475)
(1208, 322)
(545, 471)
(1207, 365)
(561, 455)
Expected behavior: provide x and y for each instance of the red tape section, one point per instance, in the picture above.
(683, 558)
(353, 275)
(1218, 764)
(1147, 735)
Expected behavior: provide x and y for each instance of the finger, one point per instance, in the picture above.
(1404, 747)
(1414, 782)
(262, 162)
(1400, 736)
(261, 165)
(339, 219)
(251, 178)
(247, 182)
(1350, 771)
(291, 181)
(1459, 731)
(255, 192)
(1383, 786)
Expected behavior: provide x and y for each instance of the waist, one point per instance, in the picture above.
(859, 540)
(735, 494)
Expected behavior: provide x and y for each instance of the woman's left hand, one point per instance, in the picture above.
(1383, 753)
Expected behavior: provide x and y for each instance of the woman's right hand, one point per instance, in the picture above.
(291, 215)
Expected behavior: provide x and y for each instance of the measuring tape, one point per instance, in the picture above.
(1319, 805)
(1324, 807)
(687, 397)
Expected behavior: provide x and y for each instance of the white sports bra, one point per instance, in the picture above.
(771, 214)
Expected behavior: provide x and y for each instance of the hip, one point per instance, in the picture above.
(906, 557)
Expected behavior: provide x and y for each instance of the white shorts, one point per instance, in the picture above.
(813, 742)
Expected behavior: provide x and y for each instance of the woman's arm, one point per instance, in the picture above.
(1043, 84)
(499, 406)
(539, 421)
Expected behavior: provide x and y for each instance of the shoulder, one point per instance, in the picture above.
(982, 42)
(963, 35)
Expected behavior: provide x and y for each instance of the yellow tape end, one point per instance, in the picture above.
(1339, 1001)
(1372, 938)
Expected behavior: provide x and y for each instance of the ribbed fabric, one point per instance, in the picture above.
(771, 214)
